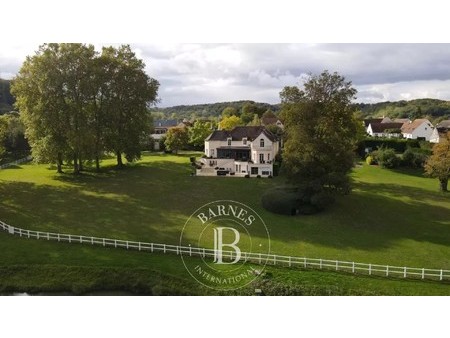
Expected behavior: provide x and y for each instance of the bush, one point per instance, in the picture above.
(414, 158)
(247, 176)
(370, 160)
(258, 176)
(282, 201)
(387, 158)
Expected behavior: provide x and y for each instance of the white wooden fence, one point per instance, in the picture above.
(22, 160)
(257, 258)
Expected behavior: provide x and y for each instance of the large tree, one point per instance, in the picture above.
(132, 91)
(438, 164)
(321, 132)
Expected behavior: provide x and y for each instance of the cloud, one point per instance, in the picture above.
(202, 73)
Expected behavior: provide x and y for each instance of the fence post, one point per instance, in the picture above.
(304, 261)
(81, 239)
(320, 263)
(190, 249)
(289, 261)
(127, 245)
(104, 243)
(151, 247)
(92, 240)
(37, 235)
(139, 246)
(115, 243)
(203, 252)
(387, 270)
(164, 248)
(370, 269)
(441, 276)
(423, 273)
(28, 233)
(59, 238)
(70, 239)
(404, 272)
(337, 265)
(353, 267)
(274, 260)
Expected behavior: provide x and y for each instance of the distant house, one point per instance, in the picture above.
(160, 130)
(242, 151)
(440, 131)
(418, 129)
(367, 122)
(386, 129)
(272, 121)
(402, 120)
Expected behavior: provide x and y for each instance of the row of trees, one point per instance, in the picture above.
(77, 103)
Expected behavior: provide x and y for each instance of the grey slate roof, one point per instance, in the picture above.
(165, 123)
(238, 133)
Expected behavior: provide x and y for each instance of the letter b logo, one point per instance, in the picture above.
(218, 245)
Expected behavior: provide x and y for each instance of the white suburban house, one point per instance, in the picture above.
(242, 151)
(385, 129)
(418, 129)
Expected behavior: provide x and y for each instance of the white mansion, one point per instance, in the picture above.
(239, 152)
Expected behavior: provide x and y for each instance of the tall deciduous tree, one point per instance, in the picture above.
(320, 132)
(132, 90)
(438, 164)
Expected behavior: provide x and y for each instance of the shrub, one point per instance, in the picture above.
(414, 158)
(247, 176)
(370, 160)
(282, 201)
(258, 176)
(387, 158)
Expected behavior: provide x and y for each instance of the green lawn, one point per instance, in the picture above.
(393, 218)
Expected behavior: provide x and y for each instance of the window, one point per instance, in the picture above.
(229, 141)
(261, 158)
(254, 170)
(212, 152)
(261, 143)
(265, 172)
(268, 157)
(244, 141)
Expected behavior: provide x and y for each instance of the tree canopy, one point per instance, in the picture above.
(176, 139)
(321, 132)
(228, 123)
(77, 103)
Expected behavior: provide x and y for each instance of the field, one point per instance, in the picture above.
(395, 218)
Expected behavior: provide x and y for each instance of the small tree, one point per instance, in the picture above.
(176, 139)
(438, 164)
(198, 133)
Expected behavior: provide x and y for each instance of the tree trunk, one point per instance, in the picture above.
(97, 163)
(80, 164)
(119, 159)
(76, 169)
(59, 163)
(443, 184)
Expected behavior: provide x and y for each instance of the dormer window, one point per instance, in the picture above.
(261, 143)
(229, 141)
(244, 141)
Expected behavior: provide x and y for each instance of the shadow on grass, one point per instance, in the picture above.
(416, 172)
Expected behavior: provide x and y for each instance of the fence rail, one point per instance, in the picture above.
(22, 160)
(257, 258)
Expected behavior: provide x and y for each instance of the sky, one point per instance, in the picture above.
(212, 72)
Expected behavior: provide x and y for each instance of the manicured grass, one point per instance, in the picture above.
(393, 218)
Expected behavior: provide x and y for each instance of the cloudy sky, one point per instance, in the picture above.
(207, 73)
